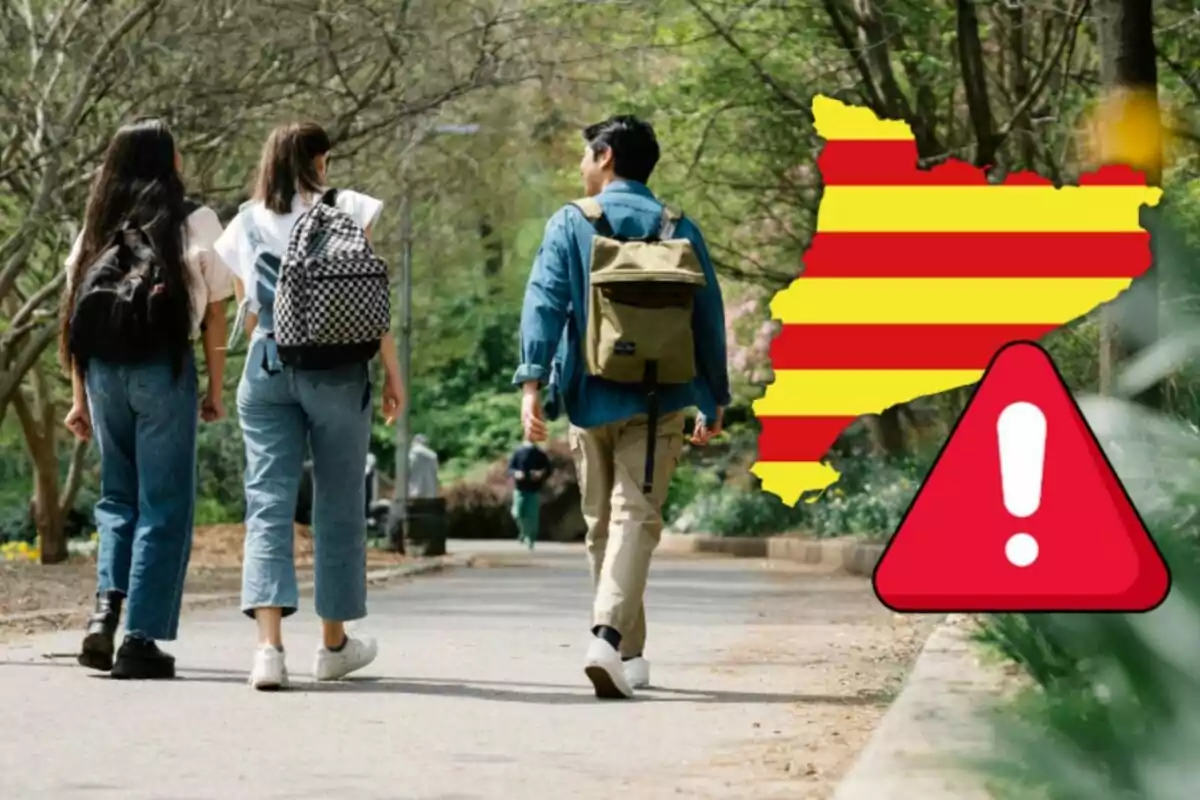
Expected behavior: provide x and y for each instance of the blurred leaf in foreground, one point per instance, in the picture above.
(1115, 710)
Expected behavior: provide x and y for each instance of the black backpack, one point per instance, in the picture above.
(123, 309)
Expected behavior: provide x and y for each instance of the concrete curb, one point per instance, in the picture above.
(847, 553)
(191, 602)
(920, 747)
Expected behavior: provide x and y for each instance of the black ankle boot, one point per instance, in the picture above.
(140, 659)
(97, 649)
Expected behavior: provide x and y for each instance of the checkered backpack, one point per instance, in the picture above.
(332, 305)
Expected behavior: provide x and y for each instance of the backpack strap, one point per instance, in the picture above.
(590, 207)
(593, 212)
(302, 230)
(670, 221)
(255, 239)
(650, 384)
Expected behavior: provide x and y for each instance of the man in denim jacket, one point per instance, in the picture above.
(608, 420)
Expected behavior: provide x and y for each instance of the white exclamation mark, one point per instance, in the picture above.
(1022, 432)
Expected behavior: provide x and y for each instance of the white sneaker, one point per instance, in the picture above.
(637, 672)
(606, 672)
(334, 665)
(269, 671)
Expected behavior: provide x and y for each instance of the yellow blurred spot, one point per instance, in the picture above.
(1125, 127)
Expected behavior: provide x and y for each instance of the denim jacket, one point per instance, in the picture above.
(553, 325)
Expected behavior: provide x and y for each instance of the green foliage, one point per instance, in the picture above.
(484, 426)
(16, 524)
(873, 493)
(732, 511)
(1022, 639)
(689, 483)
(220, 461)
(1117, 712)
(873, 511)
(16, 475)
(709, 495)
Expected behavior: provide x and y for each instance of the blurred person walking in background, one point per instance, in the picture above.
(422, 470)
(529, 468)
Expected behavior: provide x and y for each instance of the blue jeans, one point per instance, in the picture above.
(144, 423)
(281, 411)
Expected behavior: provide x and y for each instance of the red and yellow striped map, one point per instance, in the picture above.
(916, 277)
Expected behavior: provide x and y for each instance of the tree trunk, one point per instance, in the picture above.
(1019, 86)
(970, 57)
(888, 433)
(39, 424)
(1129, 132)
(1105, 357)
(52, 534)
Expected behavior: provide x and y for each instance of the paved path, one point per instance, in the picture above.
(773, 678)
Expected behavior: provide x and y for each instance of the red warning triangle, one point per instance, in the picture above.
(1022, 510)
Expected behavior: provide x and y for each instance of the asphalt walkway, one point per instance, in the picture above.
(771, 679)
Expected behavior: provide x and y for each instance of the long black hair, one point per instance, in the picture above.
(139, 184)
(288, 164)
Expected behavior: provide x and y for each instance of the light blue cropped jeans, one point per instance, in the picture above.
(282, 412)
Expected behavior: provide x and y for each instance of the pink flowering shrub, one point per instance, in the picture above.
(749, 331)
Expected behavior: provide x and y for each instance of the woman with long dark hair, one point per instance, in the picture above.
(144, 282)
(286, 410)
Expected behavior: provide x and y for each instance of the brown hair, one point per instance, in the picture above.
(288, 164)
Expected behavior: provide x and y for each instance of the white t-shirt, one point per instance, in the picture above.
(210, 280)
(234, 245)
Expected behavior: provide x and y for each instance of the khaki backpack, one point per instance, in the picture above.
(639, 316)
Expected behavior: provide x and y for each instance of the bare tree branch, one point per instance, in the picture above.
(766, 77)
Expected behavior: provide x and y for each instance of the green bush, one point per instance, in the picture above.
(869, 499)
(873, 510)
(689, 482)
(221, 463)
(16, 525)
(873, 492)
(729, 511)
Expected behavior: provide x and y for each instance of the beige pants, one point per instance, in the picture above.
(624, 524)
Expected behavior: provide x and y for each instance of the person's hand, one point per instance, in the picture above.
(393, 398)
(532, 418)
(211, 407)
(79, 422)
(706, 429)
